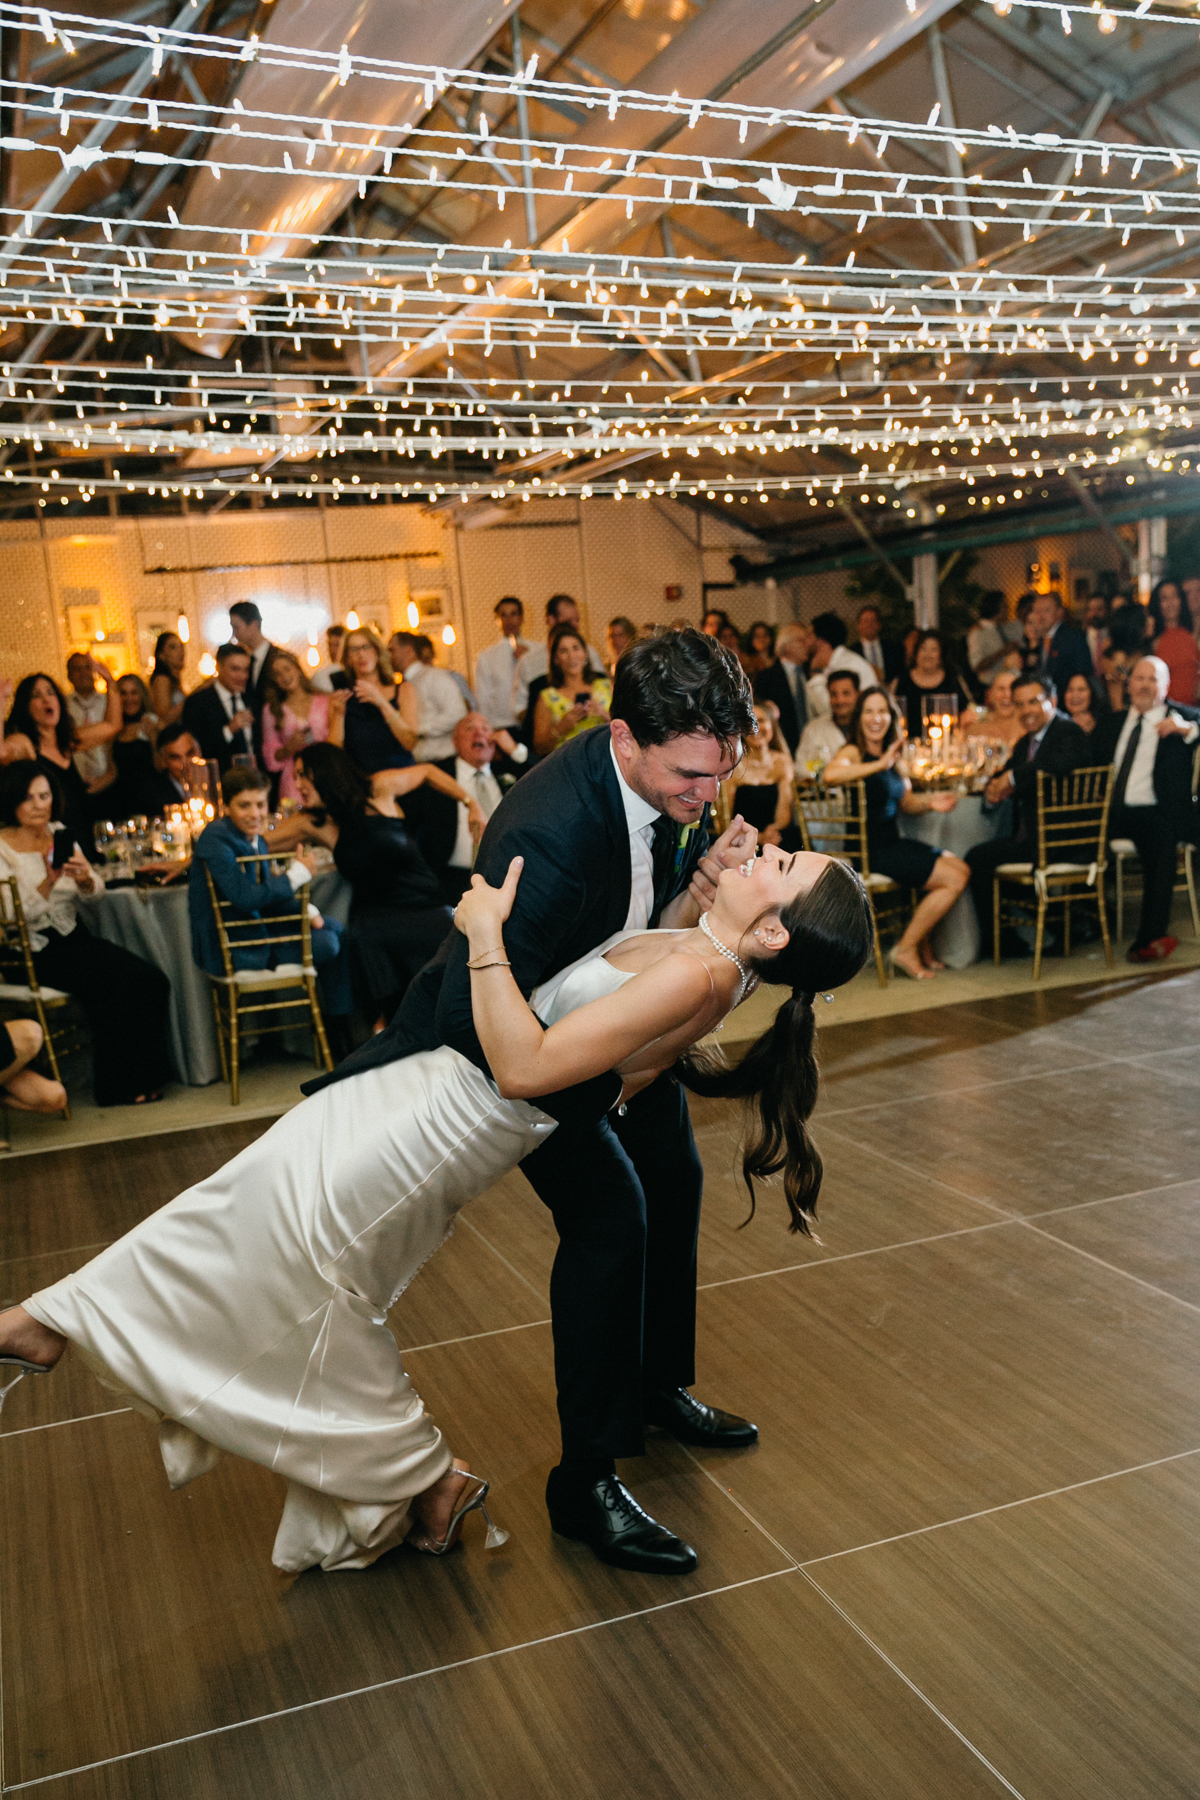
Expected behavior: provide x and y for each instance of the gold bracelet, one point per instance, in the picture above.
(477, 968)
(471, 961)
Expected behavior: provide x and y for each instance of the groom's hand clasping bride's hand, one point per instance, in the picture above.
(483, 908)
(737, 844)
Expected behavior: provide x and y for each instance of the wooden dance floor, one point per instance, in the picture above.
(962, 1561)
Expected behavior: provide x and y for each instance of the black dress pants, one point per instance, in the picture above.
(1157, 850)
(983, 860)
(625, 1196)
(125, 999)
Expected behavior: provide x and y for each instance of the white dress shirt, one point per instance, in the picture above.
(257, 659)
(871, 651)
(641, 819)
(1139, 789)
(818, 688)
(495, 679)
(91, 709)
(440, 706)
(818, 741)
(482, 786)
(232, 703)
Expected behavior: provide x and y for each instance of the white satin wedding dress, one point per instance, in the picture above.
(249, 1314)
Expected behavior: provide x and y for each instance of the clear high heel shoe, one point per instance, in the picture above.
(472, 1499)
(23, 1368)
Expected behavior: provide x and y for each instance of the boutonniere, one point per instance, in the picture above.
(504, 782)
(681, 845)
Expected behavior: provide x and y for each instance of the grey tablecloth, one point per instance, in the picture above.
(956, 939)
(153, 922)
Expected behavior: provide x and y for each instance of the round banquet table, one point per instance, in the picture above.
(153, 923)
(956, 938)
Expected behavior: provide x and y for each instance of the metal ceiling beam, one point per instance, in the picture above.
(954, 161)
(1088, 129)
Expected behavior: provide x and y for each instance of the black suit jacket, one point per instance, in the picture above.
(206, 719)
(1068, 655)
(772, 683)
(893, 657)
(157, 794)
(567, 819)
(1172, 770)
(434, 816)
(1064, 747)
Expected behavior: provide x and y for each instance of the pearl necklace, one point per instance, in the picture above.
(716, 943)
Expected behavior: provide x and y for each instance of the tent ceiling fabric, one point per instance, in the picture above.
(934, 257)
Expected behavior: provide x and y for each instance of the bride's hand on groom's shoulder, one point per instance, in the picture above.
(483, 906)
(736, 844)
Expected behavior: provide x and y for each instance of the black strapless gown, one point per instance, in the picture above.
(905, 860)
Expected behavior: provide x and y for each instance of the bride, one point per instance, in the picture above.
(250, 1313)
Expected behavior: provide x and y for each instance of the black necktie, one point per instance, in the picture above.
(1123, 773)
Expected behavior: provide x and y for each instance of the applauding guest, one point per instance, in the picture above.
(294, 716)
(376, 722)
(575, 700)
(217, 715)
(125, 998)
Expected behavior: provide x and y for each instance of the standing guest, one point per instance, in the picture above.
(447, 826)
(621, 633)
(760, 788)
(132, 749)
(1174, 640)
(376, 721)
(1151, 746)
(21, 1087)
(1061, 648)
(987, 643)
(217, 715)
(1095, 628)
(428, 655)
(294, 715)
(759, 653)
(87, 705)
(828, 653)
(323, 680)
(124, 998)
(1001, 720)
(884, 654)
(534, 669)
(398, 917)
(440, 704)
(574, 699)
(39, 715)
(784, 683)
(1051, 743)
(166, 785)
(715, 622)
(875, 740)
(823, 737)
(1125, 647)
(731, 637)
(1085, 701)
(245, 628)
(932, 672)
(1190, 588)
(166, 678)
(15, 746)
(496, 667)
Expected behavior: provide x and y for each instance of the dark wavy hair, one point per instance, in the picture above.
(680, 684)
(16, 779)
(160, 644)
(558, 636)
(343, 791)
(1185, 611)
(1127, 629)
(1096, 689)
(854, 729)
(19, 718)
(830, 937)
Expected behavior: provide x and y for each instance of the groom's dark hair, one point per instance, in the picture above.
(680, 684)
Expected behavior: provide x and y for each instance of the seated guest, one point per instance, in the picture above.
(875, 740)
(448, 829)
(256, 894)
(823, 736)
(21, 1087)
(398, 918)
(621, 633)
(932, 672)
(39, 715)
(784, 683)
(376, 721)
(440, 704)
(1151, 746)
(1175, 640)
(1126, 646)
(574, 700)
(125, 998)
(760, 788)
(218, 716)
(1085, 701)
(132, 751)
(1000, 721)
(166, 676)
(884, 654)
(323, 678)
(828, 654)
(293, 715)
(1049, 742)
(166, 784)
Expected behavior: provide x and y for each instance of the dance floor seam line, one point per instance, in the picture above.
(729, 1495)
(909, 1683)
(472, 1337)
(54, 1425)
(500, 1258)
(973, 1087)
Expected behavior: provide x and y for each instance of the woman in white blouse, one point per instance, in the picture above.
(125, 998)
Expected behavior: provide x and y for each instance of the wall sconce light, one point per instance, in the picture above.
(352, 621)
(183, 630)
(414, 615)
(449, 635)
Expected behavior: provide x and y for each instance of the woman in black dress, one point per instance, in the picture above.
(932, 672)
(39, 713)
(372, 719)
(397, 916)
(132, 751)
(874, 741)
(760, 788)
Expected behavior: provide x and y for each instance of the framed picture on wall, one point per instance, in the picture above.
(149, 624)
(85, 623)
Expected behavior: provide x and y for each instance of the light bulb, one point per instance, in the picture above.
(208, 664)
(413, 614)
(183, 630)
(449, 635)
(352, 621)
(313, 657)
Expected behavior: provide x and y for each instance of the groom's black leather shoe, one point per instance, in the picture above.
(604, 1515)
(689, 1420)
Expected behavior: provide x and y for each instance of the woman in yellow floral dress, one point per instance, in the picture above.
(575, 698)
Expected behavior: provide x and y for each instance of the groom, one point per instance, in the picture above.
(613, 828)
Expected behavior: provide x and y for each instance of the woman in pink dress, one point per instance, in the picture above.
(294, 716)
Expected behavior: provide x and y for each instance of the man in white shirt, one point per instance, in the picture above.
(88, 705)
(471, 767)
(496, 667)
(534, 666)
(335, 639)
(1151, 747)
(217, 715)
(829, 652)
(440, 704)
(821, 737)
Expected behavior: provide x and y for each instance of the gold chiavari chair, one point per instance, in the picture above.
(1124, 850)
(834, 822)
(1072, 830)
(21, 993)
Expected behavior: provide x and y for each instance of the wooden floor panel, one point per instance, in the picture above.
(1063, 1642)
(1143, 1012)
(764, 1691)
(1154, 1236)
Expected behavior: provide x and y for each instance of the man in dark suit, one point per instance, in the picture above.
(1064, 648)
(783, 681)
(614, 832)
(245, 626)
(885, 655)
(1151, 746)
(1053, 744)
(167, 784)
(440, 822)
(217, 715)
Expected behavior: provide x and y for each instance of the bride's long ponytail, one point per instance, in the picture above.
(830, 938)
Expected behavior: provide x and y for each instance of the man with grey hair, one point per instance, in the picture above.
(1151, 746)
(783, 681)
